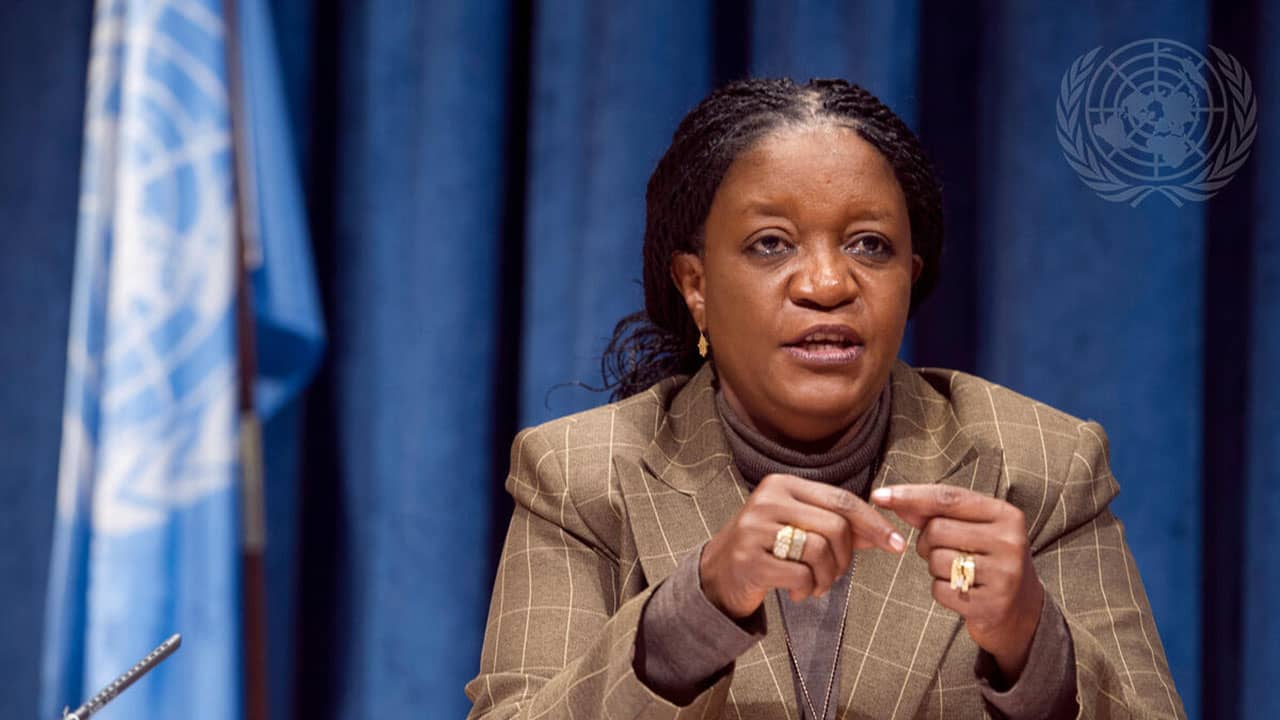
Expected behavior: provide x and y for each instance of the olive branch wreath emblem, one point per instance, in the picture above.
(1211, 178)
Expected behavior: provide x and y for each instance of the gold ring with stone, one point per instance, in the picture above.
(782, 542)
(962, 571)
(798, 538)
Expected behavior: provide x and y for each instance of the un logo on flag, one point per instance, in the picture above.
(154, 429)
(1155, 116)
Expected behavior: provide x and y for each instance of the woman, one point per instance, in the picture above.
(780, 519)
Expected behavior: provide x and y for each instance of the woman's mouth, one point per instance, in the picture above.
(826, 345)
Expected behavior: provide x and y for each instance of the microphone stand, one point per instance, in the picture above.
(117, 686)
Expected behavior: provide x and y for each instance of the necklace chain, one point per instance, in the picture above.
(835, 665)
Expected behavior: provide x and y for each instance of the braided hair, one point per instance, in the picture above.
(661, 340)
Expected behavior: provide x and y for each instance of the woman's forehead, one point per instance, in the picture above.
(811, 160)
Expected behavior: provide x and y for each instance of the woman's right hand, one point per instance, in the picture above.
(737, 566)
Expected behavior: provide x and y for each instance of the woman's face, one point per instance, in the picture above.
(805, 281)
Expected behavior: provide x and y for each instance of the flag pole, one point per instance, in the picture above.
(253, 503)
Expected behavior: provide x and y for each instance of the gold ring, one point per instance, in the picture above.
(782, 542)
(962, 571)
(798, 538)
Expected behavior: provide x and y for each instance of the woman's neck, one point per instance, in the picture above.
(847, 461)
(836, 440)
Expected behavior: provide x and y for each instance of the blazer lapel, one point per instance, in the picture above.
(674, 505)
(896, 635)
(689, 489)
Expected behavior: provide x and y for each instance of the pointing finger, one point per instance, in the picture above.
(917, 504)
(863, 518)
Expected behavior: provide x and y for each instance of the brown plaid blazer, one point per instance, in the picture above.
(609, 500)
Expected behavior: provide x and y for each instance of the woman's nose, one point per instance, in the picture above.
(824, 279)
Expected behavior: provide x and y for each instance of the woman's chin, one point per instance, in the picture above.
(801, 406)
(829, 396)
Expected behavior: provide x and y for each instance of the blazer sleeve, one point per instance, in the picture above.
(1084, 563)
(560, 641)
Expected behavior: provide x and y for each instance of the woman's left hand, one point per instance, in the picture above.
(1002, 607)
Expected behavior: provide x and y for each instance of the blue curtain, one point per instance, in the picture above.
(42, 87)
(475, 173)
(1252, 503)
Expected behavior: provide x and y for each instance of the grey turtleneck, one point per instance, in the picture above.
(685, 643)
(814, 624)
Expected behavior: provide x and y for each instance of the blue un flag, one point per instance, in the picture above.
(147, 539)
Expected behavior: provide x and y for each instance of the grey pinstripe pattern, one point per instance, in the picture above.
(608, 501)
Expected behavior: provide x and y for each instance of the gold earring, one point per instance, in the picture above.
(702, 345)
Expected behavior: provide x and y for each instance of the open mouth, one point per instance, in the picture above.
(826, 345)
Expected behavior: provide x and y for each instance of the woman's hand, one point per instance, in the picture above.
(737, 567)
(1002, 607)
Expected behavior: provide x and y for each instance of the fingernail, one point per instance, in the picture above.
(898, 542)
(882, 495)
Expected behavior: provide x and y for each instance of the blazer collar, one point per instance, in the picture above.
(924, 443)
(895, 635)
(689, 448)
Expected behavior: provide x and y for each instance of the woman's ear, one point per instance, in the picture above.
(686, 272)
(917, 266)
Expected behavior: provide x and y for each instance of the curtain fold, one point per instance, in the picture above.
(401, 447)
(610, 82)
(1260, 504)
(42, 88)
(871, 43)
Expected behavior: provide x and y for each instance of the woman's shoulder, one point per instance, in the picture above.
(1030, 432)
(976, 395)
(1055, 466)
(621, 428)
(582, 458)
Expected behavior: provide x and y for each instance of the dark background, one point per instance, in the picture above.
(474, 175)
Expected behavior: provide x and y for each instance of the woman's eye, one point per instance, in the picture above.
(872, 245)
(770, 245)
